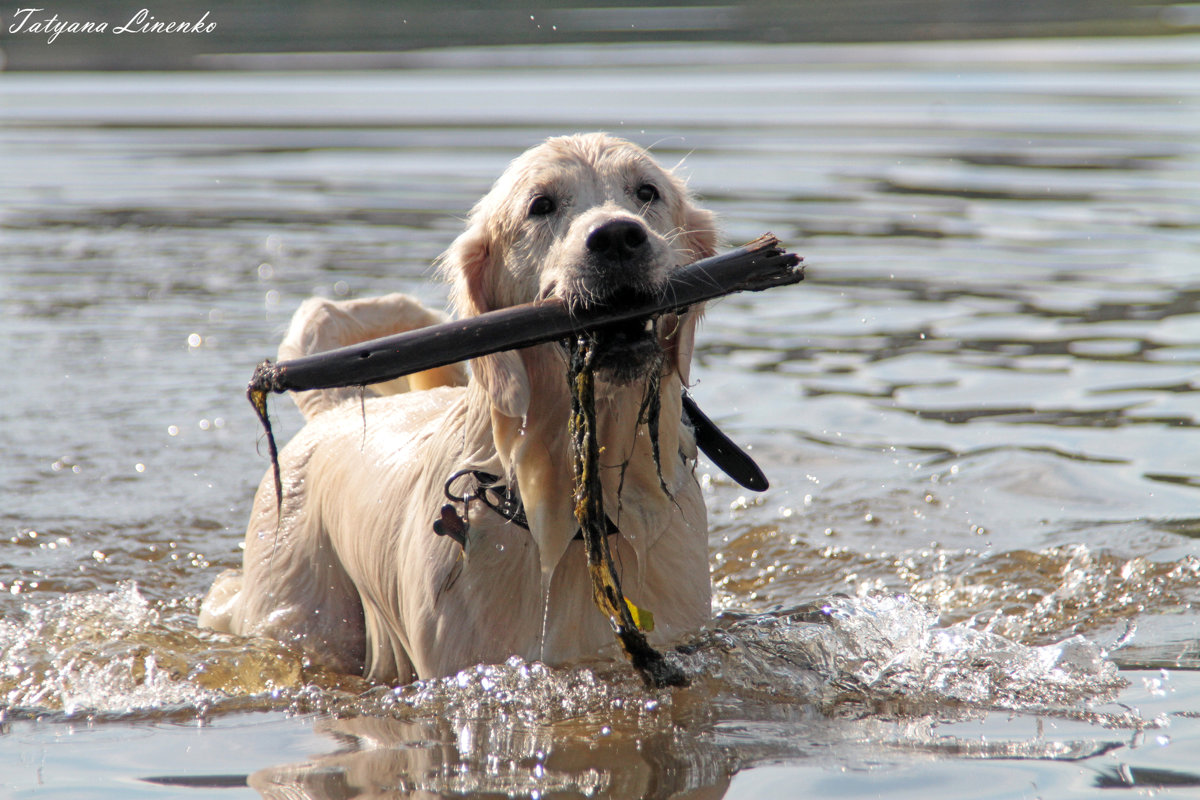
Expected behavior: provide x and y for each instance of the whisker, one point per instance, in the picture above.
(685, 157)
(657, 142)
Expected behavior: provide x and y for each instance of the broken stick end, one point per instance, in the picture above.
(267, 378)
(261, 384)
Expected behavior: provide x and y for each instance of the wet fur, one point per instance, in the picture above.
(351, 570)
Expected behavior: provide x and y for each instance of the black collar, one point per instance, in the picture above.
(504, 500)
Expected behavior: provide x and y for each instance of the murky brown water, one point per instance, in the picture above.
(982, 400)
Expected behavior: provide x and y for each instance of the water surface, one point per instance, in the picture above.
(977, 558)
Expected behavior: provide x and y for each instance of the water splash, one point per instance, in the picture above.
(845, 653)
(876, 674)
(529, 693)
(894, 646)
(790, 685)
(1034, 595)
(113, 654)
(879, 649)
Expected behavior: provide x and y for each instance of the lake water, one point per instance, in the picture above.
(974, 575)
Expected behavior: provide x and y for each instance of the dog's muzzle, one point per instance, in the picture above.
(620, 265)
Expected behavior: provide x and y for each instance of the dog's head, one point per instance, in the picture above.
(590, 219)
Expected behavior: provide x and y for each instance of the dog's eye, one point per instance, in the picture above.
(541, 206)
(647, 193)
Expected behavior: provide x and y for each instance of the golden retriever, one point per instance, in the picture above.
(352, 569)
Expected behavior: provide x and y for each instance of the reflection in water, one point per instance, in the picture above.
(380, 754)
(1131, 777)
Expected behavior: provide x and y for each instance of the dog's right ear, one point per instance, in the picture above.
(469, 266)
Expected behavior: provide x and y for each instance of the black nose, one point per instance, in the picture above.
(618, 239)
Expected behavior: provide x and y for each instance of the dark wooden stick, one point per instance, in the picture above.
(762, 264)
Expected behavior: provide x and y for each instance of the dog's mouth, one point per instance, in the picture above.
(626, 351)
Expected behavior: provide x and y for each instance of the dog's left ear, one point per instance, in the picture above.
(470, 267)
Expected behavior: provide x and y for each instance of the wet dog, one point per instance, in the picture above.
(351, 568)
